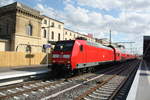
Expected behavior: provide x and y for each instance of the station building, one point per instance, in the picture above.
(20, 25)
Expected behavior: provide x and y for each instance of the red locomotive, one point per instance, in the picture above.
(81, 54)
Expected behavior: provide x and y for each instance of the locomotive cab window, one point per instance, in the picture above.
(64, 46)
(81, 47)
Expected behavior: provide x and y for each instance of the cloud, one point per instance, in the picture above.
(6, 2)
(101, 4)
(131, 21)
(128, 5)
(84, 19)
(46, 10)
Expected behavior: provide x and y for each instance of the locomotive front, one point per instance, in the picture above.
(61, 55)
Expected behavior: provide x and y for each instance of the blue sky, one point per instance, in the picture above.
(128, 19)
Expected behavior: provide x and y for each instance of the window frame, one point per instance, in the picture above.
(29, 29)
(59, 26)
(52, 24)
(59, 37)
(52, 35)
(45, 21)
(45, 33)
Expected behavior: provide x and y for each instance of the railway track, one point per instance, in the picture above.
(56, 89)
(109, 88)
(86, 88)
(23, 89)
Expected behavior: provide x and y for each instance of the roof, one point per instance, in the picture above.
(20, 5)
(146, 37)
(21, 8)
(52, 19)
(70, 30)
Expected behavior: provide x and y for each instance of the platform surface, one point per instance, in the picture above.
(140, 89)
(6, 73)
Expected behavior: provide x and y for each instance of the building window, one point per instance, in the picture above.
(0, 28)
(45, 21)
(7, 28)
(52, 37)
(29, 29)
(74, 36)
(66, 33)
(45, 33)
(53, 25)
(59, 26)
(58, 36)
(70, 33)
(65, 38)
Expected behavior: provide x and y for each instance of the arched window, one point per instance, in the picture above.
(45, 33)
(52, 36)
(29, 29)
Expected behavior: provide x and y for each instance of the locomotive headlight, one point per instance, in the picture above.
(68, 61)
(55, 55)
(66, 56)
(53, 61)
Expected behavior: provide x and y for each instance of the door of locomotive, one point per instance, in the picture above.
(82, 53)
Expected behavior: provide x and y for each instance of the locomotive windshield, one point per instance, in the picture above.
(64, 46)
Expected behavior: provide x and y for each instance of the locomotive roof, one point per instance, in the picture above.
(98, 45)
(66, 41)
(90, 43)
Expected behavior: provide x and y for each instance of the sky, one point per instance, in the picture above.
(128, 20)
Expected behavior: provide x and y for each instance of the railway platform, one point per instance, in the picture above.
(11, 73)
(140, 88)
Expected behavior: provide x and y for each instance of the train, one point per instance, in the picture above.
(73, 55)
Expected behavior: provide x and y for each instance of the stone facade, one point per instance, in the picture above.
(51, 29)
(69, 34)
(21, 25)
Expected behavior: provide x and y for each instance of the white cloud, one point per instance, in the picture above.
(129, 5)
(131, 21)
(46, 10)
(6, 2)
(101, 4)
